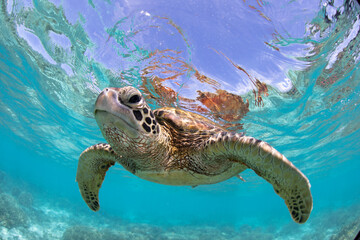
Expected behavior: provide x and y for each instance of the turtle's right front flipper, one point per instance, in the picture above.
(92, 167)
(288, 181)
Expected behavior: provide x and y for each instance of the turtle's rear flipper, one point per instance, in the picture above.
(92, 167)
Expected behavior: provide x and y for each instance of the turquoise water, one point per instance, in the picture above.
(56, 56)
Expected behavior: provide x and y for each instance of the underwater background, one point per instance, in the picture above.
(286, 72)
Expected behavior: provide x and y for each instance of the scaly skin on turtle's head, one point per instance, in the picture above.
(127, 122)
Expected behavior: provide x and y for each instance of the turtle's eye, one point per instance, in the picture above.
(134, 99)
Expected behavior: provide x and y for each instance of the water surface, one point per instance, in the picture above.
(286, 72)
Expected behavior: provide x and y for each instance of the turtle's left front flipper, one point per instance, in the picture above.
(288, 181)
(92, 167)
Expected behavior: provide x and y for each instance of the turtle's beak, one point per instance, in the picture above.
(106, 100)
(109, 101)
(109, 111)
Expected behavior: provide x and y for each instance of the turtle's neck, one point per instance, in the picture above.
(145, 152)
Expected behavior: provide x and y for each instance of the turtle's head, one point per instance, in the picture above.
(123, 112)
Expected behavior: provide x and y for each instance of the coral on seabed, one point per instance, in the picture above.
(348, 231)
(11, 214)
(147, 230)
(81, 233)
(26, 199)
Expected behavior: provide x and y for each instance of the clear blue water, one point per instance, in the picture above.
(56, 56)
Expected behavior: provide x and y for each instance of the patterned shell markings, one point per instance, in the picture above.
(187, 129)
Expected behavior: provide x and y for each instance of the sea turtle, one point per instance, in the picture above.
(176, 147)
